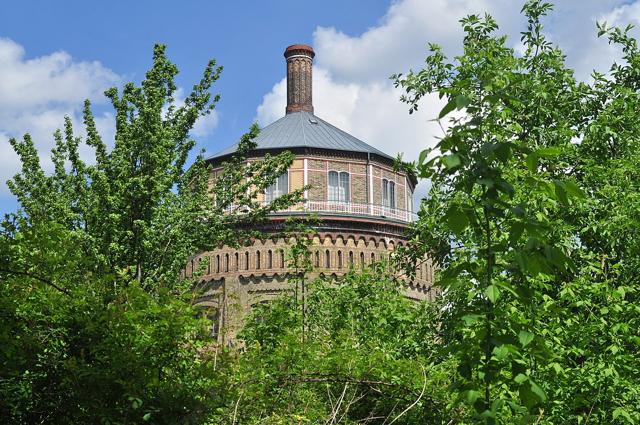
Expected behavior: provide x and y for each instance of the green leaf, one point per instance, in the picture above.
(462, 101)
(146, 417)
(423, 156)
(520, 378)
(539, 392)
(561, 194)
(503, 152)
(532, 162)
(470, 319)
(531, 394)
(573, 190)
(549, 152)
(457, 220)
(451, 161)
(470, 396)
(501, 352)
(515, 232)
(450, 106)
(619, 411)
(525, 338)
(493, 293)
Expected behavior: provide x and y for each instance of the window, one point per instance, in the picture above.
(257, 260)
(327, 259)
(339, 186)
(280, 187)
(388, 193)
(269, 260)
(246, 260)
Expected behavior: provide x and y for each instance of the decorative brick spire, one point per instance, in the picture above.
(299, 77)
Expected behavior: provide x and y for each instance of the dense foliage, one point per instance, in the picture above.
(96, 323)
(533, 218)
(362, 353)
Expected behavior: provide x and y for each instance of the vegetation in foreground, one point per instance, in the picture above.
(533, 217)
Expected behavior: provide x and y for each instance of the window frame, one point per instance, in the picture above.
(340, 192)
(389, 194)
(274, 191)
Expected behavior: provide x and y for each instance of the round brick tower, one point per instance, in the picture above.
(364, 208)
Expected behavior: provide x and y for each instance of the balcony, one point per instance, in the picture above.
(351, 209)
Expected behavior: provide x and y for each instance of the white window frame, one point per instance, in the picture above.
(388, 194)
(341, 192)
(278, 188)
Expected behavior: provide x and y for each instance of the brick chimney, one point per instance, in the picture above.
(299, 77)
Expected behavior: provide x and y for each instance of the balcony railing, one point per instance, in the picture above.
(344, 208)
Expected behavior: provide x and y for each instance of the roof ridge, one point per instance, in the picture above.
(304, 134)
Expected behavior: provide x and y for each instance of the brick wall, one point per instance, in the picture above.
(317, 169)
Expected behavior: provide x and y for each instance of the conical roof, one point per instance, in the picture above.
(305, 130)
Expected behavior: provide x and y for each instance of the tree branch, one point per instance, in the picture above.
(38, 278)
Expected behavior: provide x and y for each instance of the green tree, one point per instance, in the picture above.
(535, 249)
(368, 355)
(97, 324)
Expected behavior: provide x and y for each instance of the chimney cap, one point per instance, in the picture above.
(299, 49)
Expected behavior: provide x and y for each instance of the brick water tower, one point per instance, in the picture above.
(364, 207)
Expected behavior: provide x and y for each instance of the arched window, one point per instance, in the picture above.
(339, 186)
(278, 188)
(257, 260)
(236, 265)
(350, 258)
(373, 257)
(282, 258)
(226, 262)
(339, 259)
(327, 259)
(388, 193)
(217, 264)
(317, 263)
(269, 259)
(246, 260)
(209, 267)
(362, 260)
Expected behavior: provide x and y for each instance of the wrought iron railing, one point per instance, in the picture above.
(344, 208)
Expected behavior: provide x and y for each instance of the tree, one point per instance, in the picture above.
(97, 323)
(368, 356)
(522, 229)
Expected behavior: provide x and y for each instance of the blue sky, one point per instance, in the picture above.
(55, 54)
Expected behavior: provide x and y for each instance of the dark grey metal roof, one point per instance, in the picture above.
(303, 129)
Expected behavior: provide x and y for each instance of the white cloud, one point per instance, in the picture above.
(36, 94)
(400, 41)
(29, 83)
(369, 111)
(623, 15)
(351, 74)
